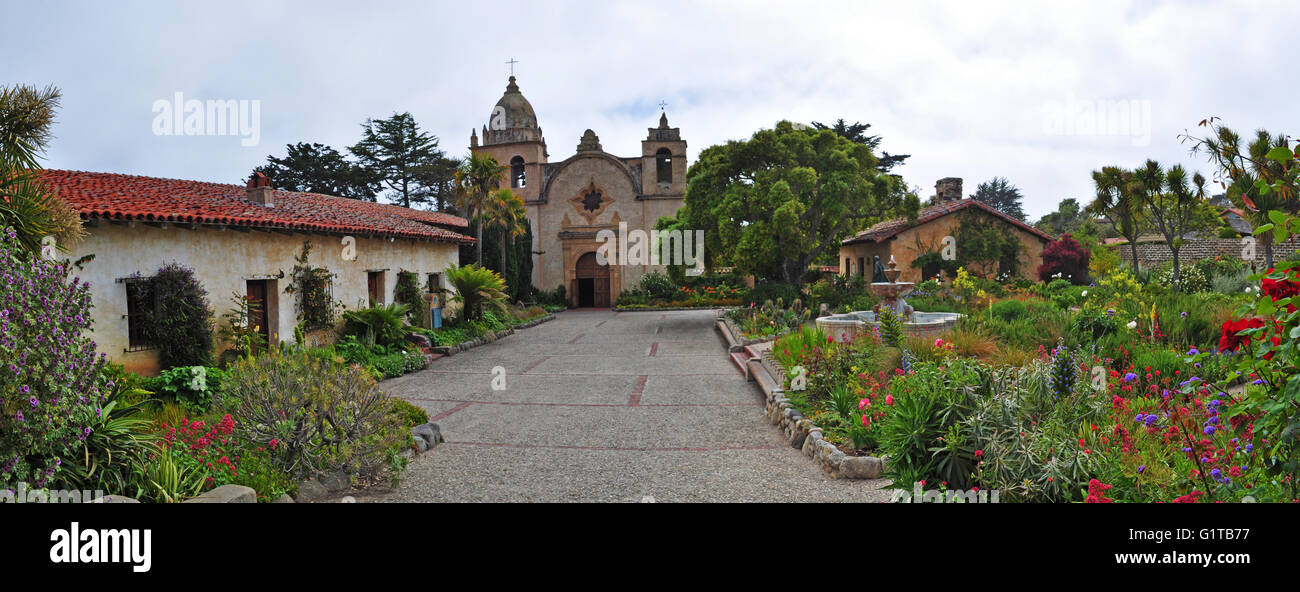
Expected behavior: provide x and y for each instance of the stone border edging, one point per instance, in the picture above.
(448, 350)
(802, 433)
(669, 309)
(738, 334)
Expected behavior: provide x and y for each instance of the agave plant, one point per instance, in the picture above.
(477, 289)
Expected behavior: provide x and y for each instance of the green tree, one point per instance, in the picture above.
(506, 212)
(27, 203)
(1173, 206)
(1068, 217)
(857, 132)
(474, 181)
(1255, 181)
(774, 203)
(406, 160)
(1117, 200)
(1002, 195)
(317, 168)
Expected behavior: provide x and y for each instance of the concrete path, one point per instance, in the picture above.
(601, 406)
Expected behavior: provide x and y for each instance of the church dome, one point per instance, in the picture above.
(513, 111)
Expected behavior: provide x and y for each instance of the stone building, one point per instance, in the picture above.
(908, 241)
(240, 240)
(570, 201)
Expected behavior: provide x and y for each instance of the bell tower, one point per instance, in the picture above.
(513, 137)
(663, 161)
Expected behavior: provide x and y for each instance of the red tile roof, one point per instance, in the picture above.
(891, 228)
(131, 197)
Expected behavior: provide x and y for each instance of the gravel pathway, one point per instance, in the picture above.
(600, 406)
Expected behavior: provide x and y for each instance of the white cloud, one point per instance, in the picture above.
(963, 87)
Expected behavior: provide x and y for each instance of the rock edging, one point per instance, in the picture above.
(802, 433)
(448, 350)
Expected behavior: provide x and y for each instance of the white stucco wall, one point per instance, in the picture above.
(224, 259)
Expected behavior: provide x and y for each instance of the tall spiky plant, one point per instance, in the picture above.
(1253, 182)
(1172, 205)
(475, 180)
(27, 204)
(1117, 200)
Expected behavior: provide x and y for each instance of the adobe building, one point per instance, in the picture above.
(240, 240)
(571, 200)
(907, 241)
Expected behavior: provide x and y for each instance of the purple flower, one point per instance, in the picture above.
(1151, 420)
(1250, 447)
(1193, 351)
(1142, 469)
(1209, 430)
(1130, 377)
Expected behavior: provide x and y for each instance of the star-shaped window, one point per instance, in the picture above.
(591, 201)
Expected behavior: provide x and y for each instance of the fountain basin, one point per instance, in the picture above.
(849, 326)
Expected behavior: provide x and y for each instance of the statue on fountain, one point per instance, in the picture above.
(891, 292)
(877, 270)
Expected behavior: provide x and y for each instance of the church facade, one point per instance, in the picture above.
(572, 200)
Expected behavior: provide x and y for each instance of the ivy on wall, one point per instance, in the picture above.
(313, 290)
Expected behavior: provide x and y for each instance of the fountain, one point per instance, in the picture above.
(846, 327)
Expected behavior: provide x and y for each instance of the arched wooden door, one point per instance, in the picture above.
(593, 282)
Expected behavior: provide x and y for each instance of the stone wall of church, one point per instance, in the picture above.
(223, 260)
(612, 180)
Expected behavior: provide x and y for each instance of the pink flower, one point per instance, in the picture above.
(889, 399)
(862, 404)
(865, 421)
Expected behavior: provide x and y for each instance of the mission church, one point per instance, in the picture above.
(572, 200)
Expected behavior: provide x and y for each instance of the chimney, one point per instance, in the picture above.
(260, 191)
(947, 189)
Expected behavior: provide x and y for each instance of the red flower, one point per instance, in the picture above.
(1229, 340)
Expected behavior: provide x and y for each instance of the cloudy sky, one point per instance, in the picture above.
(972, 90)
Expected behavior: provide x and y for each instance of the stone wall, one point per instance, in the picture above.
(1157, 254)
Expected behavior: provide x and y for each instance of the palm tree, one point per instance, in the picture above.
(27, 204)
(1241, 172)
(1117, 191)
(506, 211)
(475, 180)
(477, 289)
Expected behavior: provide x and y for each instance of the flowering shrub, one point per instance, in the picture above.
(50, 382)
(181, 326)
(316, 414)
(1065, 258)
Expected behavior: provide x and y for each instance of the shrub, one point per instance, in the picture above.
(407, 291)
(764, 291)
(118, 446)
(383, 325)
(411, 414)
(658, 285)
(314, 414)
(181, 324)
(1064, 258)
(238, 330)
(192, 387)
(477, 289)
(1009, 310)
(51, 388)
